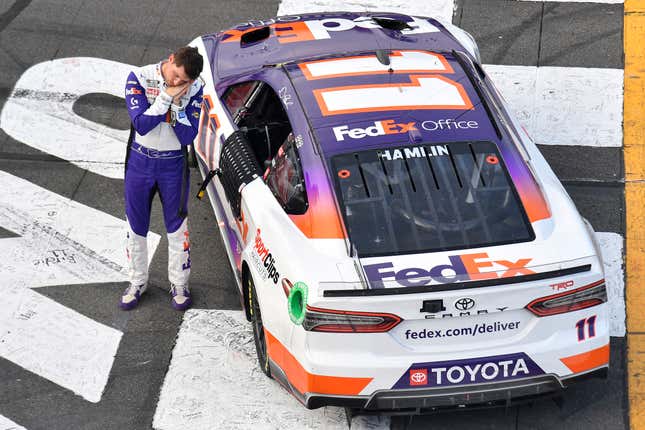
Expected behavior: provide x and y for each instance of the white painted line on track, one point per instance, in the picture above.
(39, 112)
(61, 242)
(7, 424)
(564, 105)
(611, 247)
(57, 343)
(214, 380)
(442, 9)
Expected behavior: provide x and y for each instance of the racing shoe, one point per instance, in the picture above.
(180, 297)
(131, 296)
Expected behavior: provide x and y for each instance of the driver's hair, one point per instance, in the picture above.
(191, 59)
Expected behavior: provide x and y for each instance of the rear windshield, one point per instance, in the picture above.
(428, 198)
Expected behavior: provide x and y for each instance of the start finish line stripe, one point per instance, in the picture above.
(634, 153)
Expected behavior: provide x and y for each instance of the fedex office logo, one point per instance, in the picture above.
(466, 267)
(380, 128)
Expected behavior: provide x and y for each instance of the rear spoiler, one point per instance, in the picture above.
(457, 285)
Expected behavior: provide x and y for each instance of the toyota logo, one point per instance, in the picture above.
(418, 377)
(464, 304)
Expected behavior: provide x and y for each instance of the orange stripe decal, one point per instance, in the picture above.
(587, 360)
(306, 382)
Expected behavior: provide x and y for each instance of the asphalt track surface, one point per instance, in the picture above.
(143, 32)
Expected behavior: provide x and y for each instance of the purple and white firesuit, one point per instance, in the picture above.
(156, 163)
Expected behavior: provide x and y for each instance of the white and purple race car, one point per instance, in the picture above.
(398, 241)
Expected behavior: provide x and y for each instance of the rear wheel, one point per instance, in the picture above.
(258, 328)
(192, 157)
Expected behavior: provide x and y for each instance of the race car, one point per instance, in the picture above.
(398, 241)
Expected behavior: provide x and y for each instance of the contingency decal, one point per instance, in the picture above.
(469, 371)
(263, 260)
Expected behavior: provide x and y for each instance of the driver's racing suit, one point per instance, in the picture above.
(156, 162)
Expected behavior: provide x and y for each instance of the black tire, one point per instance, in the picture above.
(258, 328)
(192, 157)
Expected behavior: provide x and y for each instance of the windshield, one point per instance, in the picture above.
(433, 197)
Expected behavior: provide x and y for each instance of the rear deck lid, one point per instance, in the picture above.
(428, 198)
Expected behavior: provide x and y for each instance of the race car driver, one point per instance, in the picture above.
(164, 102)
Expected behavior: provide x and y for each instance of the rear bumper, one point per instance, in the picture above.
(426, 400)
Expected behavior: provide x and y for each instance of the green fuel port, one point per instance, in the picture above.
(297, 302)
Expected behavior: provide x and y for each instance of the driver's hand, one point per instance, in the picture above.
(177, 92)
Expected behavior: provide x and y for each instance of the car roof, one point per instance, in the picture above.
(426, 97)
(292, 38)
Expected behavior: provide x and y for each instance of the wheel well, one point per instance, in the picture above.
(245, 293)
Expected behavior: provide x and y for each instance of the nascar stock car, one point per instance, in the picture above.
(398, 241)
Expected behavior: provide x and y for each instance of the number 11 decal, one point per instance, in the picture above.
(590, 323)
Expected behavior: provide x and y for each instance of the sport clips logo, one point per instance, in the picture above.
(266, 259)
(466, 267)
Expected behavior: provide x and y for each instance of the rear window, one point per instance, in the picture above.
(428, 198)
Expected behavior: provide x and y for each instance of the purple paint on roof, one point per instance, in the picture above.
(314, 35)
(432, 103)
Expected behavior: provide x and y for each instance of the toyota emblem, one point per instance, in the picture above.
(464, 304)
(419, 377)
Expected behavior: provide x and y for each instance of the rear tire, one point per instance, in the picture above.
(192, 157)
(258, 328)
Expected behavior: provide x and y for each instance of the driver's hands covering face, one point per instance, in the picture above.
(178, 91)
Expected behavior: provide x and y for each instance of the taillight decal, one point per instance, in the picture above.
(315, 321)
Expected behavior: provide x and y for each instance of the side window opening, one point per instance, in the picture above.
(236, 96)
(261, 118)
(285, 179)
(264, 121)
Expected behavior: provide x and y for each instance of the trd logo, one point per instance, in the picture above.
(464, 267)
(418, 377)
(380, 128)
(562, 285)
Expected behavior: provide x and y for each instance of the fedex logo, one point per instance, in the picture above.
(291, 29)
(466, 267)
(380, 128)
